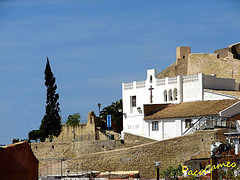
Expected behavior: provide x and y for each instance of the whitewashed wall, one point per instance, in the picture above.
(169, 128)
(215, 96)
(192, 88)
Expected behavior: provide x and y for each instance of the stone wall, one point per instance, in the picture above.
(83, 132)
(131, 140)
(142, 157)
(210, 64)
(225, 63)
(69, 150)
(222, 53)
(49, 154)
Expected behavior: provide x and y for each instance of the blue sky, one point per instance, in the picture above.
(94, 46)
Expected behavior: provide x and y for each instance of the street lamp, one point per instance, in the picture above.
(139, 110)
(99, 106)
(157, 167)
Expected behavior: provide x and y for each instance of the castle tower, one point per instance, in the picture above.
(182, 54)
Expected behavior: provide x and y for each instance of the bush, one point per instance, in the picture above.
(34, 135)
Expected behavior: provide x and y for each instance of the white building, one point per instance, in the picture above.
(173, 106)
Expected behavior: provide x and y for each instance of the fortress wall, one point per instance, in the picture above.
(68, 150)
(210, 64)
(142, 157)
(222, 53)
(84, 132)
(130, 139)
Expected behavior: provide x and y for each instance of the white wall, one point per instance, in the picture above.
(192, 88)
(134, 124)
(169, 128)
(142, 93)
(215, 96)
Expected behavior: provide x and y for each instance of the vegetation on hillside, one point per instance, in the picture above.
(51, 122)
(172, 172)
(115, 110)
(73, 120)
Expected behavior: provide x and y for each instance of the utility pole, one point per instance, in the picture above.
(214, 173)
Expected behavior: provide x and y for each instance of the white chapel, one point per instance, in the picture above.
(162, 108)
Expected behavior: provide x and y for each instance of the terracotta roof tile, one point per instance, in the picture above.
(231, 93)
(192, 109)
(201, 155)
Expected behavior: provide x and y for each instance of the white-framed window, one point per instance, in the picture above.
(155, 126)
(151, 79)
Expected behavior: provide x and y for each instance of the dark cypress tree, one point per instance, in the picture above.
(51, 122)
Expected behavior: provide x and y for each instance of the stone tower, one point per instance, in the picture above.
(182, 54)
(224, 63)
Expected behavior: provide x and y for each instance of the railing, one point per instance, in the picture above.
(160, 82)
(191, 78)
(140, 84)
(237, 125)
(62, 167)
(128, 86)
(195, 126)
(172, 80)
(209, 123)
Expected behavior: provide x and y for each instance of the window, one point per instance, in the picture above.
(151, 79)
(165, 96)
(175, 94)
(133, 101)
(170, 98)
(155, 125)
(188, 123)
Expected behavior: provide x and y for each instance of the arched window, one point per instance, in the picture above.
(165, 96)
(151, 79)
(170, 98)
(175, 94)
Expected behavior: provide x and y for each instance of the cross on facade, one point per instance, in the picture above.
(151, 96)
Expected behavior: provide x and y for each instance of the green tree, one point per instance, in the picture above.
(115, 110)
(73, 120)
(171, 172)
(51, 122)
(34, 135)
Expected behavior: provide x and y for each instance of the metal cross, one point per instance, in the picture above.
(151, 96)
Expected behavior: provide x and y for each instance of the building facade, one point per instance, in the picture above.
(144, 98)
